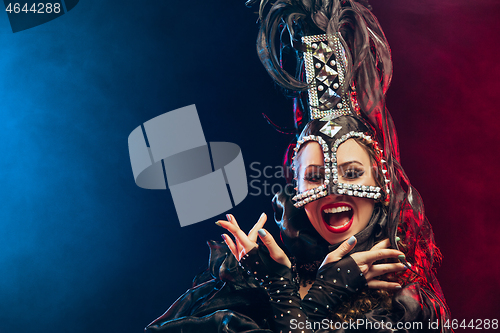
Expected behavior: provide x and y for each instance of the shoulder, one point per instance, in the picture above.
(418, 303)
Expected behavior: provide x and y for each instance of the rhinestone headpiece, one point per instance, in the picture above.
(325, 65)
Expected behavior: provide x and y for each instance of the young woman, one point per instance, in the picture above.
(346, 271)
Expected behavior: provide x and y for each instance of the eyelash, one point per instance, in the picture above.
(314, 177)
(353, 173)
(317, 177)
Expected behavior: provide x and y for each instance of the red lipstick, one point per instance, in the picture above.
(326, 218)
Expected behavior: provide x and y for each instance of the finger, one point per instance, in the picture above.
(382, 245)
(275, 251)
(230, 244)
(238, 234)
(232, 219)
(259, 225)
(381, 269)
(240, 248)
(341, 251)
(368, 257)
(377, 284)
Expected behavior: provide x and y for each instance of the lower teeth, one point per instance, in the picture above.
(340, 226)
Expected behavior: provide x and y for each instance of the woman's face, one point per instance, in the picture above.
(337, 217)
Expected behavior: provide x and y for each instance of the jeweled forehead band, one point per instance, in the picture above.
(330, 183)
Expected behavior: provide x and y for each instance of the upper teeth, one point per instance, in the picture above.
(337, 209)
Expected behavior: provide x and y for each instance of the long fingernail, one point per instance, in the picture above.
(408, 265)
(218, 223)
(262, 215)
(398, 239)
(401, 256)
(228, 217)
(351, 240)
(262, 233)
(399, 287)
(223, 237)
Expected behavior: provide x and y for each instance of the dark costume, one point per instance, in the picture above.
(343, 60)
(228, 299)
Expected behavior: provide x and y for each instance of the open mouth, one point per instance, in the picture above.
(337, 217)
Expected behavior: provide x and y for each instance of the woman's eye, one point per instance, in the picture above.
(314, 177)
(353, 173)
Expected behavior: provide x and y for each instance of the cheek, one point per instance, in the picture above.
(311, 210)
(365, 209)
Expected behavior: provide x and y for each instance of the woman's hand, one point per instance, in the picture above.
(244, 243)
(365, 260)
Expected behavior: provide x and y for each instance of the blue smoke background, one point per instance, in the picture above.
(82, 248)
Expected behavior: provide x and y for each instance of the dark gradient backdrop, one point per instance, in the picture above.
(83, 249)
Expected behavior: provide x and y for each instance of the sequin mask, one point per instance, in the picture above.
(331, 132)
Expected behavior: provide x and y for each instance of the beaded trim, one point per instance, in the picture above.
(331, 183)
(322, 190)
(362, 191)
(325, 71)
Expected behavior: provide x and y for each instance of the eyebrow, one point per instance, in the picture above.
(350, 162)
